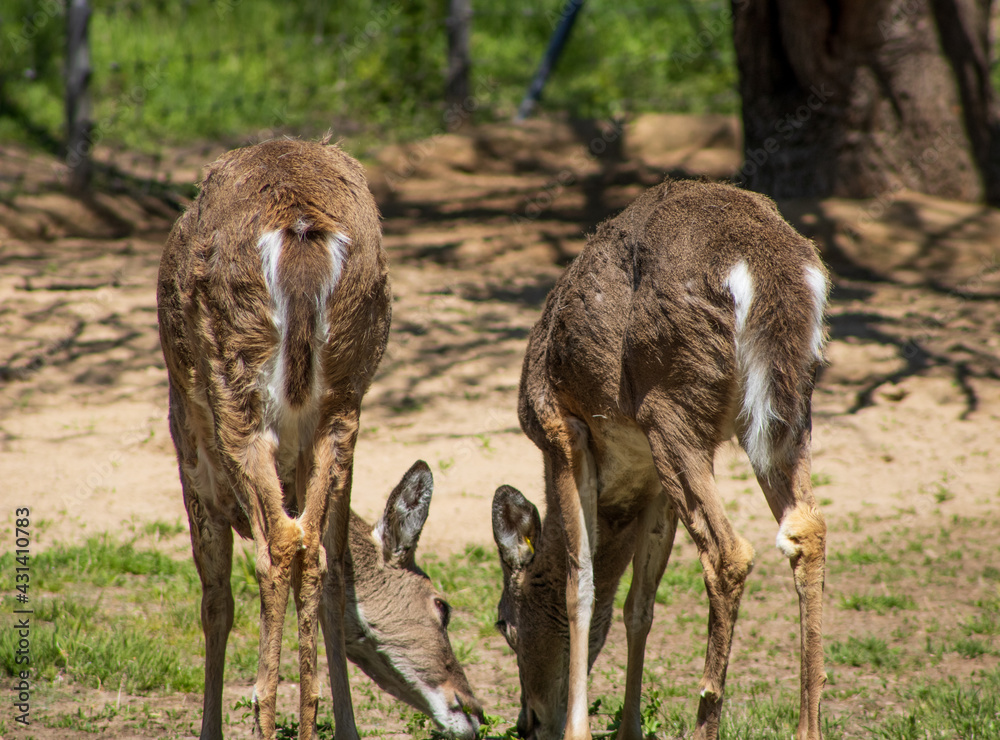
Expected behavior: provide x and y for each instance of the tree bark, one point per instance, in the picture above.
(459, 21)
(857, 98)
(79, 116)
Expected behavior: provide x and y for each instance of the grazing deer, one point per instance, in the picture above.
(695, 314)
(274, 309)
(396, 623)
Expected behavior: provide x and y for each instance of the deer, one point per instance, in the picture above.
(274, 307)
(396, 627)
(694, 315)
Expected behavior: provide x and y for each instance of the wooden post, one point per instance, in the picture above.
(459, 21)
(79, 109)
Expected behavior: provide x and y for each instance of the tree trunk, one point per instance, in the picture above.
(79, 118)
(859, 98)
(459, 21)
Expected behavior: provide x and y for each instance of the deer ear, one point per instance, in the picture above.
(516, 526)
(405, 513)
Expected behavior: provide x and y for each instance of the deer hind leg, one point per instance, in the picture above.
(212, 546)
(802, 539)
(308, 570)
(277, 540)
(658, 525)
(574, 481)
(726, 558)
(334, 460)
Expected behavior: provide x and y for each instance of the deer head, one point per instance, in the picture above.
(396, 621)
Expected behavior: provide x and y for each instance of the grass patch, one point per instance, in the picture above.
(101, 562)
(946, 709)
(987, 622)
(820, 479)
(163, 529)
(870, 553)
(866, 651)
(65, 639)
(972, 647)
(177, 72)
(472, 582)
(878, 603)
(132, 622)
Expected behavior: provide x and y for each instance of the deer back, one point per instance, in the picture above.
(697, 289)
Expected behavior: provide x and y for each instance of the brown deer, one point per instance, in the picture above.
(396, 622)
(274, 310)
(695, 314)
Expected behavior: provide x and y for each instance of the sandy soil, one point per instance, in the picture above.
(478, 226)
(477, 231)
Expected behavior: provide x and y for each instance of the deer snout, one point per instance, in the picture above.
(466, 714)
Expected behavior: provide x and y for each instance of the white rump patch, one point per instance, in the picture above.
(273, 373)
(756, 408)
(819, 285)
(741, 286)
(337, 247)
(290, 426)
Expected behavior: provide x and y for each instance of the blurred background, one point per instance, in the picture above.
(833, 101)
(168, 73)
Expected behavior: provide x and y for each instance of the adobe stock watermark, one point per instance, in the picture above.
(99, 302)
(913, 170)
(362, 36)
(709, 33)
(543, 199)
(785, 129)
(32, 25)
(101, 473)
(454, 118)
(123, 107)
(961, 292)
(894, 26)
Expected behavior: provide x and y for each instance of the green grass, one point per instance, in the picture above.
(163, 529)
(132, 622)
(821, 479)
(946, 709)
(140, 645)
(176, 72)
(866, 651)
(870, 553)
(987, 622)
(122, 652)
(101, 562)
(971, 647)
(878, 603)
(472, 583)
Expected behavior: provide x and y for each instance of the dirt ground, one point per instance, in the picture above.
(478, 225)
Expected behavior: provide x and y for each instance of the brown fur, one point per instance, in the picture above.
(218, 335)
(397, 623)
(632, 374)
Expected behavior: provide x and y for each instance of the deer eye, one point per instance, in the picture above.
(444, 609)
